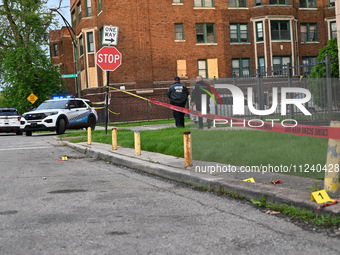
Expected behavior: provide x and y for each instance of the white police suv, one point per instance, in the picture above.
(59, 114)
(10, 121)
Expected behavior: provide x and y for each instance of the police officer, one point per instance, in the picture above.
(178, 94)
(201, 88)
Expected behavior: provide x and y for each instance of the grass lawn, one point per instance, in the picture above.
(256, 148)
(229, 146)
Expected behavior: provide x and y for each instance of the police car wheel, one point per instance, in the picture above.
(61, 127)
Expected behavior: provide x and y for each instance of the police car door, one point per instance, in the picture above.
(78, 114)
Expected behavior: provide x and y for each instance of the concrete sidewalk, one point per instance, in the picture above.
(293, 190)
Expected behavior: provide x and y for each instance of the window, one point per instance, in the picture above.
(203, 68)
(308, 63)
(279, 29)
(261, 65)
(88, 8)
(81, 46)
(179, 31)
(79, 12)
(208, 68)
(239, 33)
(100, 5)
(241, 66)
(176, 1)
(204, 3)
(333, 33)
(238, 3)
(309, 32)
(205, 33)
(281, 2)
(80, 104)
(55, 50)
(90, 43)
(258, 2)
(259, 31)
(331, 3)
(280, 65)
(307, 4)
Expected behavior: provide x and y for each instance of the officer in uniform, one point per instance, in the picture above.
(178, 94)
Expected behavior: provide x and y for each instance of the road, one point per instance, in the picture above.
(86, 206)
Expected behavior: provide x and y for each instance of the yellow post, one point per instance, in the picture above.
(137, 144)
(332, 163)
(187, 149)
(89, 136)
(114, 139)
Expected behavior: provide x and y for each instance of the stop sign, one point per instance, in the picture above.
(109, 58)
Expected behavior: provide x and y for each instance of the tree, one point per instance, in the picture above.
(25, 66)
(319, 70)
(317, 78)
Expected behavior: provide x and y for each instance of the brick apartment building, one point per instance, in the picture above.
(215, 38)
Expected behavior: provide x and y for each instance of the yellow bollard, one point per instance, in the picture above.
(187, 149)
(89, 136)
(137, 144)
(332, 163)
(114, 139)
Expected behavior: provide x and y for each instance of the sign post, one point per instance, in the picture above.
(108, 59)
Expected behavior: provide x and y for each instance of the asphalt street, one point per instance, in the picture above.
(84, 205)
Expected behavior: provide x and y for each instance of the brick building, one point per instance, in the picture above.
(215, 38)
(61, 52)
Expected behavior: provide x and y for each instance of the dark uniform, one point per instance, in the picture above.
(178, 94)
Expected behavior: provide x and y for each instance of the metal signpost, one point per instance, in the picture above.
(109, 58)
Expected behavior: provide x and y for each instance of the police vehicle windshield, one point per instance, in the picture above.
(57, 104)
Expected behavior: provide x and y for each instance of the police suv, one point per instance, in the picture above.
(10, 121)
(59, 114)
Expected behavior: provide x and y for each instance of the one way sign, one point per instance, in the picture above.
(110, 35)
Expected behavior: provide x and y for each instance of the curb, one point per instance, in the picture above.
(249, 190)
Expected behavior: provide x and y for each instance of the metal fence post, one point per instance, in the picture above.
(290, 83)
(329, 87)
(234, 79)
(259, 83)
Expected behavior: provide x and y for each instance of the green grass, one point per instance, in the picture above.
(255, 148)
(143, 123)
(235, 147)
(306, 216)
(166, 141)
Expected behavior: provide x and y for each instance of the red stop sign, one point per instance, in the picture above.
(109, 58)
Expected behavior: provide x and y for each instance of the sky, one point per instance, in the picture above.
(64, 10)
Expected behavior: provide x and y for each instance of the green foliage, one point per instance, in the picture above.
(24, 64)
(326, 220)
(261, 203)
(318, 83)
(319, 70)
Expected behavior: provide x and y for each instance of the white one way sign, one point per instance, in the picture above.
(110, 35)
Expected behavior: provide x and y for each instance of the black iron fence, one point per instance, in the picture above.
(261, 90)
